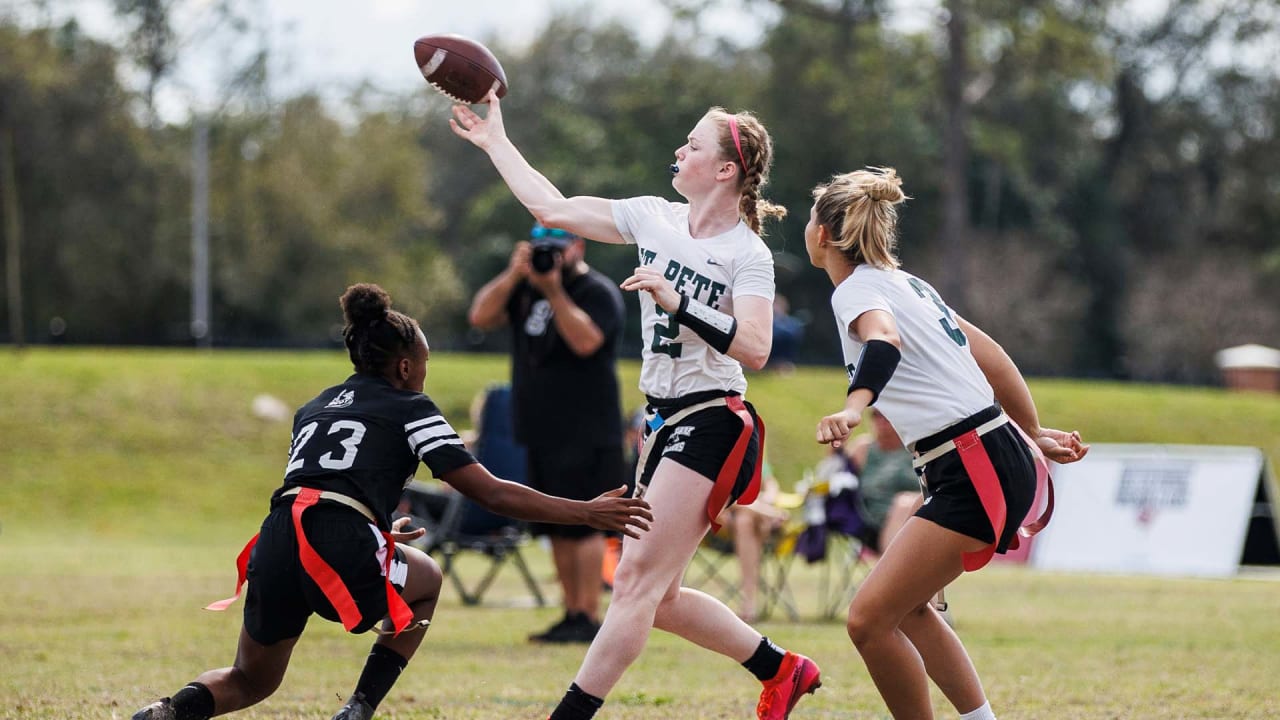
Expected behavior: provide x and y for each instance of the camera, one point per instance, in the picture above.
(544, 258)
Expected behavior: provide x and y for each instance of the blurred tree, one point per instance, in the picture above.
(955, 157)
(11, 210)
(304, 205)
(152, 43)
(79, 159)
(1121, 172)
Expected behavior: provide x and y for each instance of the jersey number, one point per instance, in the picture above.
(949, 325)
(664, 333)
(350, 445)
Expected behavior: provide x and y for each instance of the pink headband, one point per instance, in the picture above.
(737, 142)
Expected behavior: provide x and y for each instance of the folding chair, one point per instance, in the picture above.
(834, 540)
(710, 571)
(466, 526)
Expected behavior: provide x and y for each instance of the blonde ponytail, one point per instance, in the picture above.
(859, 209)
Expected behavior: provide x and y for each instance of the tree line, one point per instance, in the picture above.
(1097, 190)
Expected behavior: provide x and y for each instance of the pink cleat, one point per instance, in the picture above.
(797, 676)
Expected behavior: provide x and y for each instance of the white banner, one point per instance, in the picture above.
(1153, 509)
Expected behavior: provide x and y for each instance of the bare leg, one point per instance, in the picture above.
(904, 506)
(749, 529)
(922, 558)
(944, 657)
(256, 673)
(647, 587)
(421, 593)
(578, 562)
(390, 652)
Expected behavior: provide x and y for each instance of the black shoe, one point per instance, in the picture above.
(583, 630)
(574, 628)
(555, 631)
(355, 709)
(158, 710)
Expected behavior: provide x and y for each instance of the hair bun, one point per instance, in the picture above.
(887, 187)
(363, 303)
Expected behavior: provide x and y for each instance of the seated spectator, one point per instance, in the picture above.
(889, 489)
(750, 527)
(788, 332)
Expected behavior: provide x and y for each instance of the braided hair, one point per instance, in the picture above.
(375, 335)
(757, 153)
(859, 208)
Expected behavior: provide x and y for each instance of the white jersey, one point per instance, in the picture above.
(712, 271)
(937, 382)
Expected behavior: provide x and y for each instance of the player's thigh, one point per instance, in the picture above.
(424, 577)
(922, 559)
(263, 665)
(677, 498)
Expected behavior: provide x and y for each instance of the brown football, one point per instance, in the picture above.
(459, 67)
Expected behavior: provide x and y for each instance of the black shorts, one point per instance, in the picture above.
(577, 473)
(702, 441)
(952, 501)
(281, 596)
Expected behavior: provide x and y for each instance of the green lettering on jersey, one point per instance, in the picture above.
(686, 281)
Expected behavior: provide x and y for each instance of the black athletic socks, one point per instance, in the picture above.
(766, 660)
(576, 705)
(381, 670)
(193, 702)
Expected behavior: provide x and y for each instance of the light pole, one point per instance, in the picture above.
(201, 330)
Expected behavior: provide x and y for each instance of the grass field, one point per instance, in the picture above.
(129, 478)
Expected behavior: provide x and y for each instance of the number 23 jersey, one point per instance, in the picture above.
(364, 439)
(937, 382)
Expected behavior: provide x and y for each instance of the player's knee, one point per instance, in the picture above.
(863, 627)
(636, 587)
(425, 578)
(255, 686)
(431, 575)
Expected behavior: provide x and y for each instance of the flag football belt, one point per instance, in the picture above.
(324, 576)
(977, 465)
(724, 482)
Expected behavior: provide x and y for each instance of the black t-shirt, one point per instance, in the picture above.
(364, 439)
(560, 397)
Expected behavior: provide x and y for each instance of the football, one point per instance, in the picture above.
(459, 67)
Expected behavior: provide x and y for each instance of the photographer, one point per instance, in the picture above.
(565, 320)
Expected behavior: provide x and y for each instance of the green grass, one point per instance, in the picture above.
(129, 479)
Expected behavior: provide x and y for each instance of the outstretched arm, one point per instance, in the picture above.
(590, 217)
(610, 511)
(1015, 397)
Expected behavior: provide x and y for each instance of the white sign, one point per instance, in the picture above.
(1154, 509)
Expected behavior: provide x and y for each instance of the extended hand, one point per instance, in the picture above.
(399, 535)
(651, 281)
(480, 131)
(835, 428)
(611, 511)
(1061, 447)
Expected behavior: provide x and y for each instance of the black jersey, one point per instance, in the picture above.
(364, 439)
(559, 395)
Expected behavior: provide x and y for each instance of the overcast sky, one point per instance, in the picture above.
(332, 45)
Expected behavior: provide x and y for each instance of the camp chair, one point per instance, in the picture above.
(714, 568)
(464, 525)
(834, 539)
